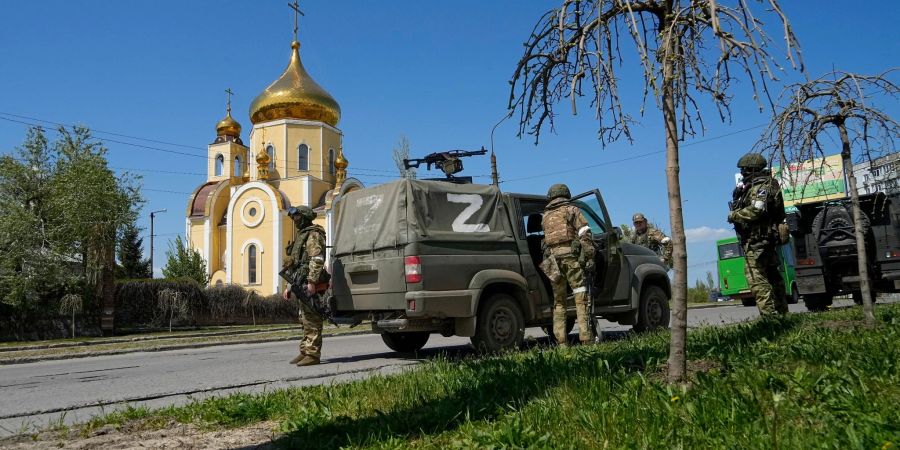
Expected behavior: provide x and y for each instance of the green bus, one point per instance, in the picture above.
(732, 278)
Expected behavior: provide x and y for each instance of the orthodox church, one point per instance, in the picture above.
(237, 219)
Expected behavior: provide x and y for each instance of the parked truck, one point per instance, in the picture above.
(826, 251)
(419, 257)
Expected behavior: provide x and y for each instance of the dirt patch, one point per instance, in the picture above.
(694, 367)
(181, 436)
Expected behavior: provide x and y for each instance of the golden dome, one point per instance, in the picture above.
(340, 162)
(228, 126)
(295, 95)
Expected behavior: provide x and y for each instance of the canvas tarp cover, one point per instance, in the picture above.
(406, 211)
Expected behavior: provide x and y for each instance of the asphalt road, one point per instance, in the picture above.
(69, 391)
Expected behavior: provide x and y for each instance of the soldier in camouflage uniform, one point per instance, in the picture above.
(568, 252)
(652, 238)
(306, 254)
(756, 211)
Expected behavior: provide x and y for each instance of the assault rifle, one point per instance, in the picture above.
(320, 303)
(449, 162)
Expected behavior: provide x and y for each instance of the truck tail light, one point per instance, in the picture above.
(806, 262)
(413, 269)
(725, 282)
(891, 254)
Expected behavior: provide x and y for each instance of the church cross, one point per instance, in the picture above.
(296, 7)
(228, 91)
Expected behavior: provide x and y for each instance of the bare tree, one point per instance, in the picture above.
(686, 49)
(401, 152)
(71, 304)
(173, 304)
(841, 103)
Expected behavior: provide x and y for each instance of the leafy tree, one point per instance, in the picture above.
(685, 49)
(61, 209)
(841, 103)
(401, 152)
(185, 262)
(132, 265)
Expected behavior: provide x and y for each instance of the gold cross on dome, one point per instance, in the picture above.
(229, 94)
(296, 7)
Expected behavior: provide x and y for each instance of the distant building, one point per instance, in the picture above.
(881, 174)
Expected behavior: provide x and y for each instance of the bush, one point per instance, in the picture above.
(235, 304)
(137, 301)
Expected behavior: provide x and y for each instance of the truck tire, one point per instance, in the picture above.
(548, 330)
(837, 216)
(817, 302)
(500, 325)
(409, 342)
(748, 301)
(795, 295)
(653, 310)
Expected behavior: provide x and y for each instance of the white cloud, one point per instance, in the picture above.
(704, 233)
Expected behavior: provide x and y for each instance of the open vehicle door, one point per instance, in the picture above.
(606, 240)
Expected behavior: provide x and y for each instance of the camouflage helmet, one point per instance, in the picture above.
(558, 190)
(301, 213)
(752, 162)
(638, 217)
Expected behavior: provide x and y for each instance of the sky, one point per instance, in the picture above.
(436, 72)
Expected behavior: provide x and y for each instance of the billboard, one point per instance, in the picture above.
(811, 181)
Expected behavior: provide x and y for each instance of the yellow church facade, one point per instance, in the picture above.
(237, 220)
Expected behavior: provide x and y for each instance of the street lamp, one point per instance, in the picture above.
(152, 215)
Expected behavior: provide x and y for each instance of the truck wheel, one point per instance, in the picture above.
(408, 342)
(795, 295)
(817, 302)
(653, 310)
(837, 217)
(748, 301)
(570, 325)
(500, 325)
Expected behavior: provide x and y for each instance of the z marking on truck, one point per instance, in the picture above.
(459, 224)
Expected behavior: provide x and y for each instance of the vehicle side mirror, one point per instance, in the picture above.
(618, 232)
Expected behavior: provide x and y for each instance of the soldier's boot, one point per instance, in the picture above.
(297, 358)
(308, 361)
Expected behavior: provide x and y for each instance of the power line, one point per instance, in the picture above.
(642, 155)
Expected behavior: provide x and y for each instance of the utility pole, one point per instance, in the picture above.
(152, 215)
(495, 177)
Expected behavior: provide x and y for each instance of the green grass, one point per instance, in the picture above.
(809, 381)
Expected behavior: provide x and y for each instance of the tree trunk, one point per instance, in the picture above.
(677, 359)
(862, 256)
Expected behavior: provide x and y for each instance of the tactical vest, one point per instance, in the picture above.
(764, 229)
(557, 227)
(303, 266)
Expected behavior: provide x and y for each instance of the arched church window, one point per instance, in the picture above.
(238, 166)
(251, 264)
(331, 161)
(303, 157)
(270, 150)
(220, 165)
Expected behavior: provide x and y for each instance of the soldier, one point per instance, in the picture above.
(756, 212)
(568, 252)
(652, 238)
(306, 265)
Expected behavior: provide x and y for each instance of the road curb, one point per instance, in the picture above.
(712, 305)
(161, 348)
(123, 340)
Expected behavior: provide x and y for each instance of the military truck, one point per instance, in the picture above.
(419, 257)
(825, 246)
